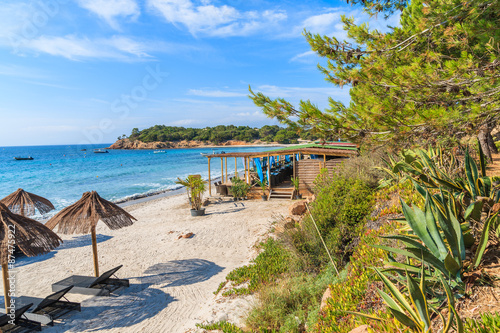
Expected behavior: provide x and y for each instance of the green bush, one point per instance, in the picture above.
(292, 303)
(224, 326)
(340, 209)
(273, 261)
(364, 167)
(489, 322)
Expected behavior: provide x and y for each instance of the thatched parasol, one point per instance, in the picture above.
(30, 236)
(82, 217)
(25, 203)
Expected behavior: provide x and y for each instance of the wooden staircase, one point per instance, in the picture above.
(280, 193)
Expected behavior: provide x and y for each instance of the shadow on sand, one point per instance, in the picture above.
(78, 241)
(180, 272)
(140, 301)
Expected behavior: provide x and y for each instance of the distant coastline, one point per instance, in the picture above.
(137, 144)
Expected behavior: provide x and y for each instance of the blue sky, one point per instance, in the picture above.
(87, 71)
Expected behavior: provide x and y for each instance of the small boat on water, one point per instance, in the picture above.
(83, 149)
(101, 151)
(159, 152)
(212, 153)
(18, 158)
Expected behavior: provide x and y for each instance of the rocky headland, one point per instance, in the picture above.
(136, 144)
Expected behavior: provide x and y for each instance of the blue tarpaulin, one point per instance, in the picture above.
(258, 166)
(287, 158)
(272, 161)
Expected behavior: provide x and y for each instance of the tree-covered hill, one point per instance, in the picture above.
(219, 134)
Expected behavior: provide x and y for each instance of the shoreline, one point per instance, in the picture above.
(141, 198)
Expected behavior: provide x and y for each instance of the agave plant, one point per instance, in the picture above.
(414, 310)
(435, 237)
(421, 165)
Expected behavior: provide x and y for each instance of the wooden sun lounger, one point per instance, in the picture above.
(21, 323)
(103, 285)
(49, 308)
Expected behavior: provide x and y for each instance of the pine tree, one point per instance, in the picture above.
(434, 77)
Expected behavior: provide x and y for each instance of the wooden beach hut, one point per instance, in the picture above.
(302, 161)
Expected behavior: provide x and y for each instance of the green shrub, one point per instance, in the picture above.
(340, 209)
(348, 295)
(273, 261)
(291, 303)
(224, 326)
(489, 322)
(364, 168)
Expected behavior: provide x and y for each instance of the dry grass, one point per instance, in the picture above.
(494, 168)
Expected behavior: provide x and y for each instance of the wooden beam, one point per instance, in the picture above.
(209, 179)
(222, 170)
(235, 166)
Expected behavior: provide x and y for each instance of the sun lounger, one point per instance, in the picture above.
(21, 323)
(103, 285)
(49, 308)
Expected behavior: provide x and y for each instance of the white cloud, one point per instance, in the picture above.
(214, 93)
(78, 48)
(304, 57)
(185, 122)
(108, 10)
(286, 92)
(211, 20)
(256, 114)
(330, 22)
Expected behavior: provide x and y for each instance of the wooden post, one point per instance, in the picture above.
(222, 169)
(269, 170)
(6, 288)
(246, 169)
(94, 252)
(293, 163)
(209, 179)
(225, 162)
(235, 166)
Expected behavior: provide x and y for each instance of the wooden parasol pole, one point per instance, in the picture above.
(222, 169)
(94, 252)
(235, 166)
(6, 288)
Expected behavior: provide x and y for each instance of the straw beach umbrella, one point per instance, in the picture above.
(25, 203)
(82, 217)
(30, 236)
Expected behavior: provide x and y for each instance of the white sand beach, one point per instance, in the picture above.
(172, 280)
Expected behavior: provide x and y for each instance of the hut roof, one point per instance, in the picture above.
(84, 214)
(32, 237)
(341, 150)
(25, 203)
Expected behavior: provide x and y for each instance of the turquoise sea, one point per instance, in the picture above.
(63, 173)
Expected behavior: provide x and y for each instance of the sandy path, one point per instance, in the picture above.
(172, 280)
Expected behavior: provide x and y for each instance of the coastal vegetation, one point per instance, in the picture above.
(412, 231)
(385, 241)
(219, 134)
